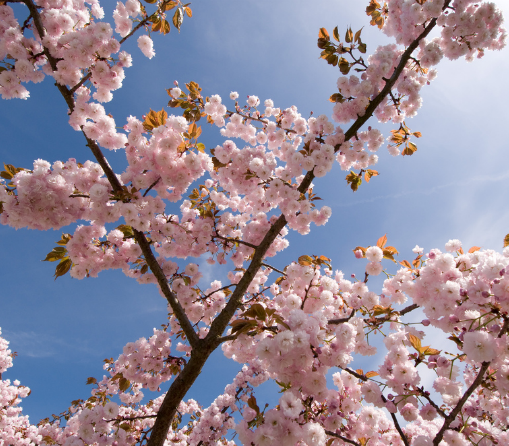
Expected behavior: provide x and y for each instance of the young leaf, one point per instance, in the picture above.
(382, 241)
(178, 17)
(305, 260)
(357, 37)
(353, 180)
(323, 34)
(123, 384)
(63, 267)
(415, 341)
(406, 264)
(349, 35)
(410, 149)
(335, 33)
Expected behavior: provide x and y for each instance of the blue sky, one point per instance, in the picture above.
(453, 187)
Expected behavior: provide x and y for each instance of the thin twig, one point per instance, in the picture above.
(435, 406)
(217, 291)
(275, 269)
(354, 373)
(151, 186)
(233, 240)
(81, 82)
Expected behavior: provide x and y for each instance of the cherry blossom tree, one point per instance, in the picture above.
(237, 203)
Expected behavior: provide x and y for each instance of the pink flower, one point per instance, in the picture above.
(479, 346)
(146, 46)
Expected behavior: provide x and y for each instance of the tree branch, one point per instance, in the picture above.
(274, 269)
(203, 348)
(435, 406)
(346, 440)
(477, 381)
(342, 320)
(140, 238)
(359, 122)
(233, 240)
(151, 186)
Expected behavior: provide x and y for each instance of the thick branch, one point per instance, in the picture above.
(221, 322)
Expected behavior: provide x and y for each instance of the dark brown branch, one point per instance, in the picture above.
(354, 373)
(477, 381)
(151, 186)
(170, 404)
(398, 428)
(140, 238)
(136, 28)
(346, 440)
(396, 424)
(79, 196)
(141, 417)
(203, 348)
(435, 406)
(233, 240)
(342, 320)
(81, 82)
(274, 269)
(387, 317)
(217, 291)
(359, 122)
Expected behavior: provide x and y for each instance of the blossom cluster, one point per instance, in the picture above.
(15, 427)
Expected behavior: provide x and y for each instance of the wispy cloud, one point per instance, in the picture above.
(468, 182)
(44, 345)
